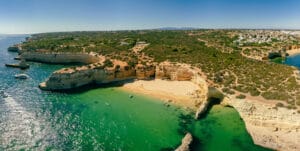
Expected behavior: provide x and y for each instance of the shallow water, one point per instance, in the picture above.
(291, 60)
(102, 118)
(223, 129)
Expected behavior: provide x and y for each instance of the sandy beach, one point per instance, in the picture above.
(178, 92)
(293, 52)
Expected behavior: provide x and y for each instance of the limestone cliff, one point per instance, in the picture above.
(144, 72)
(276, 128)
(60, 58)
(184, 72)
(185, 143)
(172, 71)
(14, 48)
(69, 78)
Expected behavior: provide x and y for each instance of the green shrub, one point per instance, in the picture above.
(279, 104)
(254, 92)
(228, 91)
(108, 63)
(241, 96)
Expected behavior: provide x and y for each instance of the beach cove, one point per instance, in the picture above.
(103, 118)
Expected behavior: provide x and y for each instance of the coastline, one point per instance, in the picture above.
(274, 128)
(177, 93)
(293, 52)
(167, 91)
(171, 94)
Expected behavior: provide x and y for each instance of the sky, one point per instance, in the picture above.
(36, 16)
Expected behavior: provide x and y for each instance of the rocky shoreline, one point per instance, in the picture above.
(60, 58)
(185, 143)
(70, 78)
(294, 51)
(271, 127)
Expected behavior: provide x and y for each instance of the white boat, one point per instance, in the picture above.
(21, 76)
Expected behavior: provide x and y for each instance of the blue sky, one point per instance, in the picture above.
(32, 16)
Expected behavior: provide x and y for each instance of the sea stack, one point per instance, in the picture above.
(186, 143)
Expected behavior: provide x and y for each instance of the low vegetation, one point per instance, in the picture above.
(215, 52)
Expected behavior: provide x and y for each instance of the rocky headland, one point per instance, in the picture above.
(269, 126)
(185, 143)
(99, 73)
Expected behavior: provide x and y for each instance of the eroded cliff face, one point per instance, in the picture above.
(269, 127)
(184, 72)
(69, 78)
(145, 72)
(172, 71)
(186, 143)
(61, 58)
(276, 128)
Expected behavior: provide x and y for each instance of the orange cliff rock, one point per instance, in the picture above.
(69, 78)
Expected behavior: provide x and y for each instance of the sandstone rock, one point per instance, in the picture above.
(69, 78)
(202, 109)
(185, 143)
(50, 57)
(144, 72)
(268, 127)
(170, 71)
(15, 48)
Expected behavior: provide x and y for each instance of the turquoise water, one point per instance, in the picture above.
(291, 60)
(223, 130)
(102, 118)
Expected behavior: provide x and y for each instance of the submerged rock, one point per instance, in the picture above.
(21, 65)
(3, 94)
(185, 143)
(202, 109)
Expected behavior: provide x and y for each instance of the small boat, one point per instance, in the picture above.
(17, 58)
(17, 66)
(21, 76)
(21, 65)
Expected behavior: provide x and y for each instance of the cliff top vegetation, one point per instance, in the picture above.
(220, 54)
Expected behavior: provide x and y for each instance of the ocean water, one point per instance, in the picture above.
(223, 130)
(102, 118)
(291, 60)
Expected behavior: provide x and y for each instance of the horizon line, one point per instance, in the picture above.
(160, 28)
